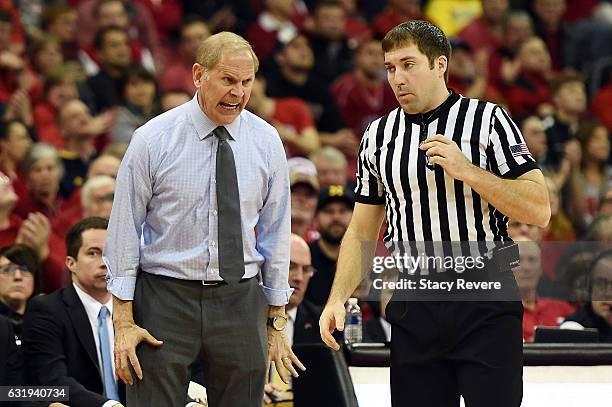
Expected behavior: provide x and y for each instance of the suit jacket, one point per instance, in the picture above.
(11, 363)
(60, 349)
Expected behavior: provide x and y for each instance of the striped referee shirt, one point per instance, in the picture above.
(426, 205)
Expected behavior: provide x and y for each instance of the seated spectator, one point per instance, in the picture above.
(356, 26)
(167, 15)
(363, 95)
(517, 230)
(332, 52)
(293, 78)
(96, 195)
(138, 103)
(14, 145)
(537, 311)
(177, 75)
(601, 103)
(59, 87)
(535, 138)
(224, 15)
(290, 117)
(569, 97)
(273, 25)
(529, 93)
(331, 166)
(114, 54)
(173, 98)
(13, 68)
(549, 25)
(302, 316)
(67, 335)
(487, 31)
(60, 20)
(34, 232)
(334, 211)
(75, 124)
(468, 73)
(11, 359)
(43, 169)
(396, 12)
(133, 17)
(19, 281)
(304, 189)
(598, 312)
(595, 172)
(47, 54)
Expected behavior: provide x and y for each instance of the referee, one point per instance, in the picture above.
(441, 167)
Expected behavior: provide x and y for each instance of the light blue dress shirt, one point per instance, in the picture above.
(164, 217)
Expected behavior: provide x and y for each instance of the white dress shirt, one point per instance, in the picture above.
(92, 309)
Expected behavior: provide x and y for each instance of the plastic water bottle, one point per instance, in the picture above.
(353, 330)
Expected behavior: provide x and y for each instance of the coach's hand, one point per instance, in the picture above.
(281, 354)
(445, 152)
(331, 319)
(127, 337)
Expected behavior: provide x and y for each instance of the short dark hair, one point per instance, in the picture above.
(428, 38)
(131, 73)
(564, 79)
(74, 238)
(101, 35)
(23, 255)
(5, 127)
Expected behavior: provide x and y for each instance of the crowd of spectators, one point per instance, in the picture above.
(77, 77)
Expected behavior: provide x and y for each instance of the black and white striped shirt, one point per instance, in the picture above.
(425, 205)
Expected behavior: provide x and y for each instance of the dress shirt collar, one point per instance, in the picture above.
(92, 306)
(204, 126)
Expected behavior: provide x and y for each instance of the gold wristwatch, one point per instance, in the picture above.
(278, 322)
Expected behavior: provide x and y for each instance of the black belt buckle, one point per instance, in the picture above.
(506, 257)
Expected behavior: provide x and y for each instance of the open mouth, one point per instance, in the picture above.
(229, 106)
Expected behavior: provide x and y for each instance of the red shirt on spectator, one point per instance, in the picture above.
(29, 205)
(177, 75)
(478, 36)
(53, 274)
(292, 112)
(264, 32)
(167, 15)
(70, 216)
(359, 104)
(601, 106)
(544, 312)
(45, 121)
(388, 18)
(530, 90)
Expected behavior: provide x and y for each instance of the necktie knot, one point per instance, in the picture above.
(103, 312)
(221, 133)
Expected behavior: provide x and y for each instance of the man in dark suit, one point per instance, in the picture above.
(11, 363)
(68, 335)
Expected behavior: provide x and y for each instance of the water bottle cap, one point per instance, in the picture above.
(352, 301)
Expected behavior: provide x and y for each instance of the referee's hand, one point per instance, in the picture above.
(445, 152)
(331, 319)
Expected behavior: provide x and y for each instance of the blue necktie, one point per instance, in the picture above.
(110, 386)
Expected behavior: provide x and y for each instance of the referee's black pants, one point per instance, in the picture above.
(446, 349)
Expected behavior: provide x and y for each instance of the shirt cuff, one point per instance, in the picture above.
(110, 403)
(191, 404)
(121, 287)
(277, 297)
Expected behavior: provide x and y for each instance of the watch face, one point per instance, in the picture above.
(279, 323)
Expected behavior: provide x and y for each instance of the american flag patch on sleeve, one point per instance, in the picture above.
(519, 149)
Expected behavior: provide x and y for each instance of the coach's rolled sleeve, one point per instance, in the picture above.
(133, 192)
(274, 231)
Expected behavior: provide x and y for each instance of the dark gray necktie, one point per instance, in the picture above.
(231, 254)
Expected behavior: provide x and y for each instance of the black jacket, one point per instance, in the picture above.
(60, 350)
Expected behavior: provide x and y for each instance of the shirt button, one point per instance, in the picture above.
(215, 212)
(213, 243)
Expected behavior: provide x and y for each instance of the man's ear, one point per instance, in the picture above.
(198, 73)
(71, 263)
(442, 64)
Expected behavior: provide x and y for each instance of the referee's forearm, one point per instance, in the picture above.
(524, 199)
(354, 255)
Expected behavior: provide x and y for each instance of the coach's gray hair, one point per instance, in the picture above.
(209, 53)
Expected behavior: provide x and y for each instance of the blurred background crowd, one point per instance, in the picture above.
(78, 77)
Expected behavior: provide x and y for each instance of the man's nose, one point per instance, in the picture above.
(238, 90)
